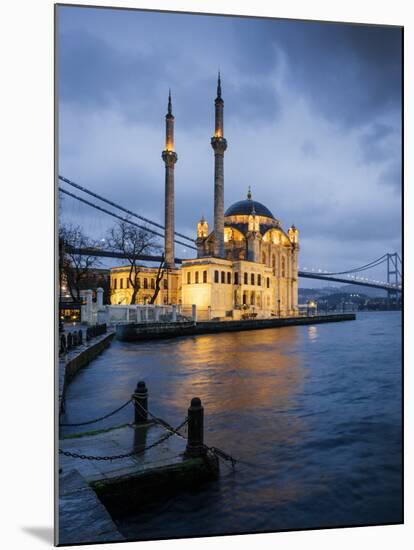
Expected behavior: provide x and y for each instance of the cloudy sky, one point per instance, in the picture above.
(312, 119)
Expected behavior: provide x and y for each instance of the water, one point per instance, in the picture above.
(315, 411)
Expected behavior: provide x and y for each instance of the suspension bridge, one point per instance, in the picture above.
(392, 282)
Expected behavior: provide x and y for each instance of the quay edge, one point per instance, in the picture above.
(149, 331)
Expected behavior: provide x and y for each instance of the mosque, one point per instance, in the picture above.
(247, 266)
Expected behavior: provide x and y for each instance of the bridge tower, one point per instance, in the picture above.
(169, 156)
(219, 145)
(393, 276)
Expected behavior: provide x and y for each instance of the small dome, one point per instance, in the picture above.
(245, 208)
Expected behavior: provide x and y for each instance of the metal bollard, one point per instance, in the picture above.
(195, 439)
(141, 403)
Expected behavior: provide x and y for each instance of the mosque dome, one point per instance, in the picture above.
(247, 207)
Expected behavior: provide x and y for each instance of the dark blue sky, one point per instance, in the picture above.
(312, 119)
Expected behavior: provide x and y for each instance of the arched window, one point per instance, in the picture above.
(268, 282)
(244, 298)
(189, 277)
(121, 283)
(246, 280)
(114, 284)
(204, 276)
(229, 278)
(153, 284)
(165, 284)
(145, 282)
(236, 278)
(252, 299)
(252, 279)
(259, 280)
(196, 277)
(223, 277)
(127, 282)
(216, 276)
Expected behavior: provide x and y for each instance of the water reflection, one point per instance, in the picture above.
(312, 333)
(241, 371)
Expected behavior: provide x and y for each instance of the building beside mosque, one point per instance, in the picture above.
(247, 266)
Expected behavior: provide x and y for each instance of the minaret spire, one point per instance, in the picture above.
(170, 158)
(219, 86)
(219, 144)
(169, 103)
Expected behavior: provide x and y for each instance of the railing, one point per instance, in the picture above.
(70, 340)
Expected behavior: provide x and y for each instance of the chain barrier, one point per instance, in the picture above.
(170, 429)
(125, 455)
(218, 452)
(100, 418)
(164, 424)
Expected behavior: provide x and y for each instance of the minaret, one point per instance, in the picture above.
(170, 158)
(219, 144)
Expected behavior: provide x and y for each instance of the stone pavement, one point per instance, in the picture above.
(82, 517)
(119, 441)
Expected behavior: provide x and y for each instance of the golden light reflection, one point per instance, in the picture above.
(241, 370)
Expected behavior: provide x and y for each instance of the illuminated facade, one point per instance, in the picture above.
(246, 267)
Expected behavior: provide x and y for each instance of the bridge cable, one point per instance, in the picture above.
(120, 217)
(374, 263)
(85, 190)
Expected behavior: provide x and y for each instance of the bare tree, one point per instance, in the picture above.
(74, 266)
(132, 241)
(159, 277)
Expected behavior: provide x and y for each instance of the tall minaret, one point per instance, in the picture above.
(170, 158)
(219, 144)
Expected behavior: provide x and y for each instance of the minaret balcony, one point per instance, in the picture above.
(169, 157)
(219, 144)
